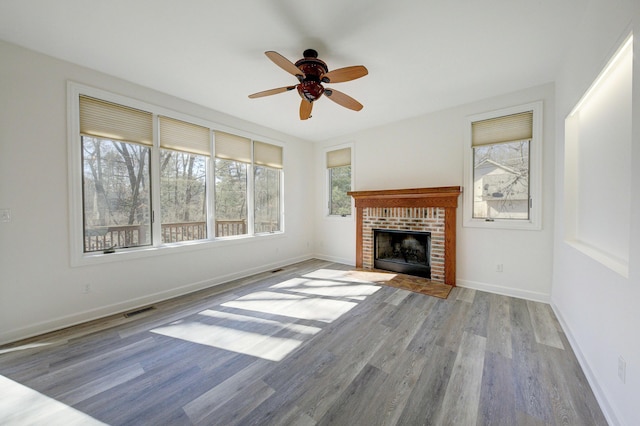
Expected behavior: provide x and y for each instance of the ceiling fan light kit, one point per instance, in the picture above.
(311, 72)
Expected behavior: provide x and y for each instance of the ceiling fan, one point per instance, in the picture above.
(311, 73)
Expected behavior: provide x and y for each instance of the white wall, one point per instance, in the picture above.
(599, 308)
(39, 290)
(428, 151)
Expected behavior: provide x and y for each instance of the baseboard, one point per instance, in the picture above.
(116, 308)
(606, 408)
(505, 291)
(334, 259)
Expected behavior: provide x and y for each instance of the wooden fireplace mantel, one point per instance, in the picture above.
(445, 197)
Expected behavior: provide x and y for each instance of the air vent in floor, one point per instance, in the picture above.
(138, 311)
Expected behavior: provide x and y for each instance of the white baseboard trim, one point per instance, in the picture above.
(334, 259)
(600, 395)
(116, 308)
(505, 291)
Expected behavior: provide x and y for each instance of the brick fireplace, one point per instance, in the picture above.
(418, 209)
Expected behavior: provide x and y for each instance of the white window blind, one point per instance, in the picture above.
(508, 128)
(265, 154)
(182, 136)
(232, 147)
(339, 158)
(117, 122)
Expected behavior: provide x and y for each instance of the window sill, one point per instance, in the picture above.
(523, 225)
(339, 217)
(97, 258)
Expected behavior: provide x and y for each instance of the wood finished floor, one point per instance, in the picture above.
(303, 346)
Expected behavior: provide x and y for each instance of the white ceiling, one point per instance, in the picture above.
(422, 55)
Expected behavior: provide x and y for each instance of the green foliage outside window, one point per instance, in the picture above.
(339, 185)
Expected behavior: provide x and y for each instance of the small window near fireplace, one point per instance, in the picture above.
(407, 252)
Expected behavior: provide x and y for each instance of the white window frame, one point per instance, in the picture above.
(327, 180)
(75, 178)
(535, 172)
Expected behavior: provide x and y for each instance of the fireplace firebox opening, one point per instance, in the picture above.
(406, 252)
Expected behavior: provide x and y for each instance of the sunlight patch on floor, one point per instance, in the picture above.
(274, 316)
(21, 405)
(353, 276)
(228, 334)
(358, 291)
(292, 305)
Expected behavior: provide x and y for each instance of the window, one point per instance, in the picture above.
(184, 154)
(339, 181)
(233, 156)
(147, 179)
(503, 169)
(116, 189)
(266, 173)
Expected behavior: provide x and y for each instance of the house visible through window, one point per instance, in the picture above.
(501, 167)
(504, 169)
(339, 181)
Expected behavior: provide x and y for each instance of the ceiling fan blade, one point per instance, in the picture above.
(284, 63)
(271, 92)
(342, 99)
(345, 74)
(305, 109)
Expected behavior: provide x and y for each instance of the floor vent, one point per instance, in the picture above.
(138, 311)
(277, 270)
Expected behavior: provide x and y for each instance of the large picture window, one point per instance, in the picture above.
(503, 169)
(146, 179)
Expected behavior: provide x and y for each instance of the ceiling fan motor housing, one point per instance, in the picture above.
(310, 88)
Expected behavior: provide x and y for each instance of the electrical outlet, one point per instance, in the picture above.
(5, 215)
(622, 369)
(499, 267)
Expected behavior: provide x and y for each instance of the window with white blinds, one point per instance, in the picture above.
(503, 168)
(116, 122)
(182, 136)
(145, 178)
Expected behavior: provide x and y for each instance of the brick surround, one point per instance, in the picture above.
(423, 219)
(420, 209)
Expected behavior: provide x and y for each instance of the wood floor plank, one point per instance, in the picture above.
(425, 401)
(462, 397)
(308, 343)
(478, 316)
(397, 297)
(363, 387)
(206, 404)
(497, 395)
(402, 376)
(531, 395)
(465, 294)
(544, 326)
(571, 398)
(452, 328)
(499, 326)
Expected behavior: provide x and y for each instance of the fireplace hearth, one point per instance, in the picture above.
(406, 252)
